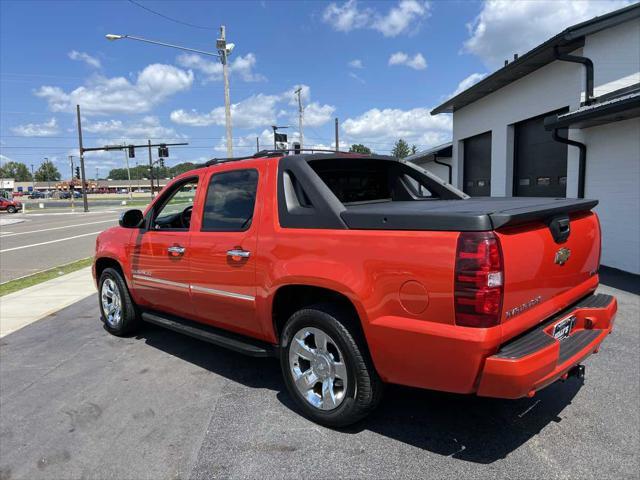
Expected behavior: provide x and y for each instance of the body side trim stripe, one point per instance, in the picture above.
(145, 278)
(196, 288)
(222, 293)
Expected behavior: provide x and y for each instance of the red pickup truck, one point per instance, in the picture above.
(357, 271)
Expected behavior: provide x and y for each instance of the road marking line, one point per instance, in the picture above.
(50, 241)
(13, 234)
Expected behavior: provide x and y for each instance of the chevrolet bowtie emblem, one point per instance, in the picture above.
(562, 256)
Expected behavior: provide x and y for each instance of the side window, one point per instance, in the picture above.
(175, 212)
(231, 198)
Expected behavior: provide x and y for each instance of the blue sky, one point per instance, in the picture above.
(377, 66)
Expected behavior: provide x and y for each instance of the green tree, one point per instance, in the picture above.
(180, 168)
(401, 149)
(359, 148)
(16, 170)
(414, 149)
(47, 172)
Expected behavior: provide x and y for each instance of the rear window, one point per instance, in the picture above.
(355, 181)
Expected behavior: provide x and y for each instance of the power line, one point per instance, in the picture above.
(186, 24)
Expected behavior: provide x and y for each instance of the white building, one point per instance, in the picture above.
(582, 84)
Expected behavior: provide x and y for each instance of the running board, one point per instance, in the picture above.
(222, 338)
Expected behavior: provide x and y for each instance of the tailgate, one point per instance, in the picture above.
(540, 265)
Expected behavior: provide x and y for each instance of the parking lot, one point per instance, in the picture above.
(78, 403)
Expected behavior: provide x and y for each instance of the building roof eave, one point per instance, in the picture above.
(567, 41)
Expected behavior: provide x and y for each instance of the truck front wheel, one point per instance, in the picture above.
(119, 313)
(326, 367)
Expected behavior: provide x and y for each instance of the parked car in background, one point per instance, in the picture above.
(10, 206)
(37, 194)
(357, 271)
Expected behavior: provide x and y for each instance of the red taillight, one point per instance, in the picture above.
(479, 280)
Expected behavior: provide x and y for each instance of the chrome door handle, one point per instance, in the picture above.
(238, 253)
(176, 251)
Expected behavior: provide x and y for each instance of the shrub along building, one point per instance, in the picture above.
(562, 120)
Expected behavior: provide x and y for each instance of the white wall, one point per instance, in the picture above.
(615, 53)
(613, 178)
(438, 170)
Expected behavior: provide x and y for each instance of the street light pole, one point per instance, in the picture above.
(224, 50)
(221, 44)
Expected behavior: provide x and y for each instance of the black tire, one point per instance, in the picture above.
(129, 318)
(364, 387)
(11, 209)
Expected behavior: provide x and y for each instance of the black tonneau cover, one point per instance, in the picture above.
(473, 214)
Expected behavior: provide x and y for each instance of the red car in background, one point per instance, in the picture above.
(11, 206)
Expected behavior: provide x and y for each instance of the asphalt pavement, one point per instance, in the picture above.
(79, 403)
(47, 240)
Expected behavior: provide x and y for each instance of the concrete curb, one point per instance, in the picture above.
(19, 309)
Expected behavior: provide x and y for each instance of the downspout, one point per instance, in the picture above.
(589, 98)
(435, 160)
(588, 67)
(581, 162)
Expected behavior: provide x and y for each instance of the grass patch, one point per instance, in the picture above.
(30, 280)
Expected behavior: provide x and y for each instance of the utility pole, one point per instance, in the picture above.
(337, 142)
(71, 191)
(33, 180)
(257, 144)
(300, 113)
(151, 169)
(126, 158)
(221, 44)
(84, 187)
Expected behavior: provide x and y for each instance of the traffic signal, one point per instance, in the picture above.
(161, 162)
(132, 151)
(163, 150)
(78, 173)
(296, 148)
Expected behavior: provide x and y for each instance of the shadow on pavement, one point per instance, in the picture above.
(469, 428)
(619, 279)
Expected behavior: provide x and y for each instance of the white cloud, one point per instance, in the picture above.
(356, 63)
(316, 115)
(255, 111)
(86, 58)
(241, 66)
(405, 17)
(102, 95)
(504, 27)
(468, 82)
(380, 128)
(148, 126)
(259, 110)
(417, 62)
(45, 129)
(357, 77)
(401, 18)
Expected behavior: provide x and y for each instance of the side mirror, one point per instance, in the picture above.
(131, 219)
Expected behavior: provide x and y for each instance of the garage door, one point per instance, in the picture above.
(477, 165)
(540, 163)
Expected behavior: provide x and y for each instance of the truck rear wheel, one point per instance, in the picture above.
(326, 367)
(118, 312)
(11, 209)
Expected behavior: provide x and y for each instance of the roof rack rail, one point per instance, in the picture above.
(269, 153)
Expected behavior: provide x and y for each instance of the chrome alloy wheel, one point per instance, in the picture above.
(318, 368)
(111, 303)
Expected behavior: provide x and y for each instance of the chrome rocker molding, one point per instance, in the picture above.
(195, 288)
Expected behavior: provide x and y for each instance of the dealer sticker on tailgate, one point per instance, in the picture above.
(563, 328)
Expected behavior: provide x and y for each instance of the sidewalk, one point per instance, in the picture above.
(24, 307)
